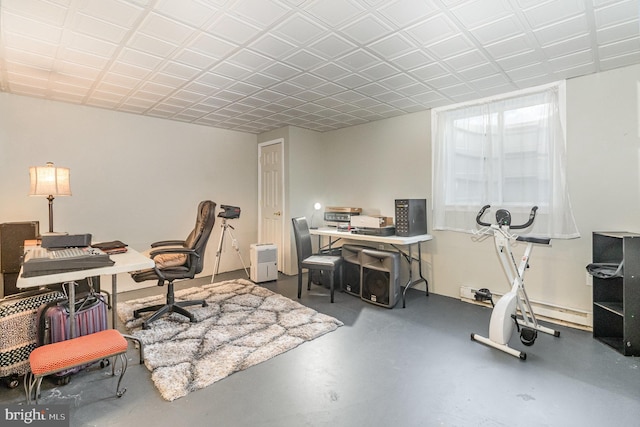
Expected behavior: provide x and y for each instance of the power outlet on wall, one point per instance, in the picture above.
(589, 281)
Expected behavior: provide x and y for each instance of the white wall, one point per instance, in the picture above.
(133, 178)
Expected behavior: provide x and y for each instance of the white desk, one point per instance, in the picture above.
(395, 241)
(124, 263)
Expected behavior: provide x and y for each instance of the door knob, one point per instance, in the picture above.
(277, 213)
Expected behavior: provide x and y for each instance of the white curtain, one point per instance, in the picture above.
(508, 153)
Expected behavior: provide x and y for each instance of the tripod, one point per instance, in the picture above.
(227, 228)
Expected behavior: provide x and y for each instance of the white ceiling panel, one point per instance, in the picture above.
(256, 65)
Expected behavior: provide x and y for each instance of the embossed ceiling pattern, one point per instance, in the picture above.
(258, 65)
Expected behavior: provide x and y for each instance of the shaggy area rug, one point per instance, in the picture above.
(243, 325)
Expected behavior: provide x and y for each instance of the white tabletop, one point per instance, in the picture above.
(393, 240)
(123, 263)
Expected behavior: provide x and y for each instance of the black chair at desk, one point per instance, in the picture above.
(306, 259)
(178, 259)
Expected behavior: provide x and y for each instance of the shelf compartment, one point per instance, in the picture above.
(614, 307)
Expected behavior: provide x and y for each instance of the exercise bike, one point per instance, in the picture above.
(504, 316)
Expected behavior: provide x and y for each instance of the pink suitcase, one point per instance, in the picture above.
(54, 325)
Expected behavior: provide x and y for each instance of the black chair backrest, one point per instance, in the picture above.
(303, 238)
(198, 238)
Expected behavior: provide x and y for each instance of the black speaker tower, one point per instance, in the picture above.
(411, 217)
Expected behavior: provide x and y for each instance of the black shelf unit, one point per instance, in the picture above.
(616, 300)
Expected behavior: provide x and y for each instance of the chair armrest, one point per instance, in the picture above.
(161, 251)
(168, 243)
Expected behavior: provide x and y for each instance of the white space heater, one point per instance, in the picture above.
(264, 262)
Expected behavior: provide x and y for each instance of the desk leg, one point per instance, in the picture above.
(72, 309)
(412, 282)
(114, 315)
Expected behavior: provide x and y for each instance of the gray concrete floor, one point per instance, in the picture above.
(385, 367)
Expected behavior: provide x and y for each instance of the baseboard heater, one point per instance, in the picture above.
(571, 317)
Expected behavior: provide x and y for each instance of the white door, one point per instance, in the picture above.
(271, 202)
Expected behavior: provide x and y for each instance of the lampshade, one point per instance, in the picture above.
(49, 181)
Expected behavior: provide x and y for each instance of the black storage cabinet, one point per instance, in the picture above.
(616, 300)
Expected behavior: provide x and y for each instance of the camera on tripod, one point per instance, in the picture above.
(229, 212)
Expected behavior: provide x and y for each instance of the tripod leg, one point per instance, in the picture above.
(219, 251)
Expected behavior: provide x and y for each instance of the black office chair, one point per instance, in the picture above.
(178, 259)
(307, 260)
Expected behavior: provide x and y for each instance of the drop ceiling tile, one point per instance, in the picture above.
(299, 29)
(287, 88)
(30, 28)
(618, 32)
(262, 13)
(114, 11)
(479, 12)
(280, 71)
(429, 71)
(334, 13)
(151, 45)
(210, 45)
(328, 89)
(450, 47)
(366, 29)
(619, 12)
(392, 46)
(41, 11)
(357, 60)
(39, 47)
(494, 31)
(411, 60)
(509, 47)
(432, 30)
(190, 12)
(566, 47)
(352, 81)
(483, 70)
(29, 59)
(307, 80)
(162, 28)
(331, 71)
(379, 71)
(572, 60)
(91, 45)
(332, 46)
(620, 61)
(404, 12)
(179, 70)
(194, 59)
(99, 29)
(553, 11)
(521, 60)
(488, 82)
(397, 81)
(570, 28)
(233, 29)
(261, 80)
(624, 47)
(304, 60)
(231, 70)
(139, 59)
(469, 59)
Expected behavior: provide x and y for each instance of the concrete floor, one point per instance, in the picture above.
(401, 367)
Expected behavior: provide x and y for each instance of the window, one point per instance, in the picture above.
(506, 152)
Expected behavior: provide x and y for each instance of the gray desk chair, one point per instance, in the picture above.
(307, 260)
(178, 259)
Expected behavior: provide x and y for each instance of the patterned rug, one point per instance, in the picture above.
(243, 325)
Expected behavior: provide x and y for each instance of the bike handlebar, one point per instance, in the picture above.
(532, 216)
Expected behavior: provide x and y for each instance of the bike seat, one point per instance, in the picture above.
(539, 240)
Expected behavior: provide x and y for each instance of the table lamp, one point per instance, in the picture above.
(49, 181)
(317, 206)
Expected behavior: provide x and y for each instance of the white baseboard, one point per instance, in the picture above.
(566, 316)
